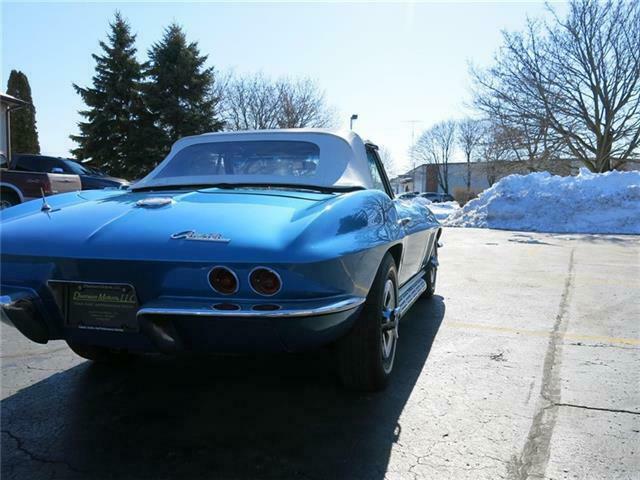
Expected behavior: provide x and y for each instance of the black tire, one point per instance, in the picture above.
(8, 199)
(367, 352)
(100, 354)
(431, 276)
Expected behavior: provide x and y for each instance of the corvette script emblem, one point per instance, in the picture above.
(200, 237)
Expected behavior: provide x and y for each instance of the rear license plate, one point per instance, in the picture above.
(101, 307)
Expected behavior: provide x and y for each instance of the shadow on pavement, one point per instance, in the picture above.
(230, 417)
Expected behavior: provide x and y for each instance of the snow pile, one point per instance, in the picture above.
(541, 202)
(443, 210)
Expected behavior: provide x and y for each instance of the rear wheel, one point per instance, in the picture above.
(100, 354)
(8, 199)
(366, 354)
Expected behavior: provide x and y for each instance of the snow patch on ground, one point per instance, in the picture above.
(541, 202)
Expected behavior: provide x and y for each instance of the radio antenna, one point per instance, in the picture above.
(46, 208)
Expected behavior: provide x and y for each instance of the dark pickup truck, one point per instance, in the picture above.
(90, 178)
(17, 186)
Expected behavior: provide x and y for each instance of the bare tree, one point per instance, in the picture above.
(390, 165)
(573, 83)
(529, 142)
(250, 103)
(497, 153)
(302, 104)
(436, 146)
(257, 102)
(469, 138)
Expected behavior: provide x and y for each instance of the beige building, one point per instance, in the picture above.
(424, 178)
(7, 104)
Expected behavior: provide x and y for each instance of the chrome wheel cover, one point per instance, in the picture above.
(389, 325)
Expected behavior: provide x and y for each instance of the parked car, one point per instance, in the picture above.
(17, 186)
(247, 241)
(436, 197)
(408, 195)
(91, 178)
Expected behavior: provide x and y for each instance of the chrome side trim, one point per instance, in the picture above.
(336, 307)
(410, 292)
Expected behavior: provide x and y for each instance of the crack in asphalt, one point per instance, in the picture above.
(533, 460)
(35, 457)
(600, 409)
(600, 345)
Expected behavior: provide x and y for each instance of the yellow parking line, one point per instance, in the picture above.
(542, 333)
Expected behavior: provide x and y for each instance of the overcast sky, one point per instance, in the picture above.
(389, 63)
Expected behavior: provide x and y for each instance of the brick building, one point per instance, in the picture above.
(424, 178)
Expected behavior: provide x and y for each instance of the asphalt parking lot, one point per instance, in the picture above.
(526, 365)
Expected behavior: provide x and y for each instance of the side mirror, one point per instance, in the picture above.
(57, 170)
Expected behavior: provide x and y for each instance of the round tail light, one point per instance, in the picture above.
(265, 281)
(223, 280)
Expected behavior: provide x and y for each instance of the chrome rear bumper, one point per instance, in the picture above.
(173, 325)
(177, 324)
(288, 309)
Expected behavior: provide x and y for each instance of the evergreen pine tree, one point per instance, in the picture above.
(180, 93)
(24, 134)
(117, 133)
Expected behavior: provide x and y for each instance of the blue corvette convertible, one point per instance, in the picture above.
(280, 240)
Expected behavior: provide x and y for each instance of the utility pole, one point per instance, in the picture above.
(413, 145)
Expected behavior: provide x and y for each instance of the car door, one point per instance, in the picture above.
(418, 230)
(412, 220)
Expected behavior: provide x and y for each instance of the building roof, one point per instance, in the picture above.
(9, 100)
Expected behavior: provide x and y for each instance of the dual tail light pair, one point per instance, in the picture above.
(262, 280)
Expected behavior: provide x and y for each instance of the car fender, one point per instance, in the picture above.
(356, 230)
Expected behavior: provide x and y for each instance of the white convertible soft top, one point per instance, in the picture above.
(342, 160)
